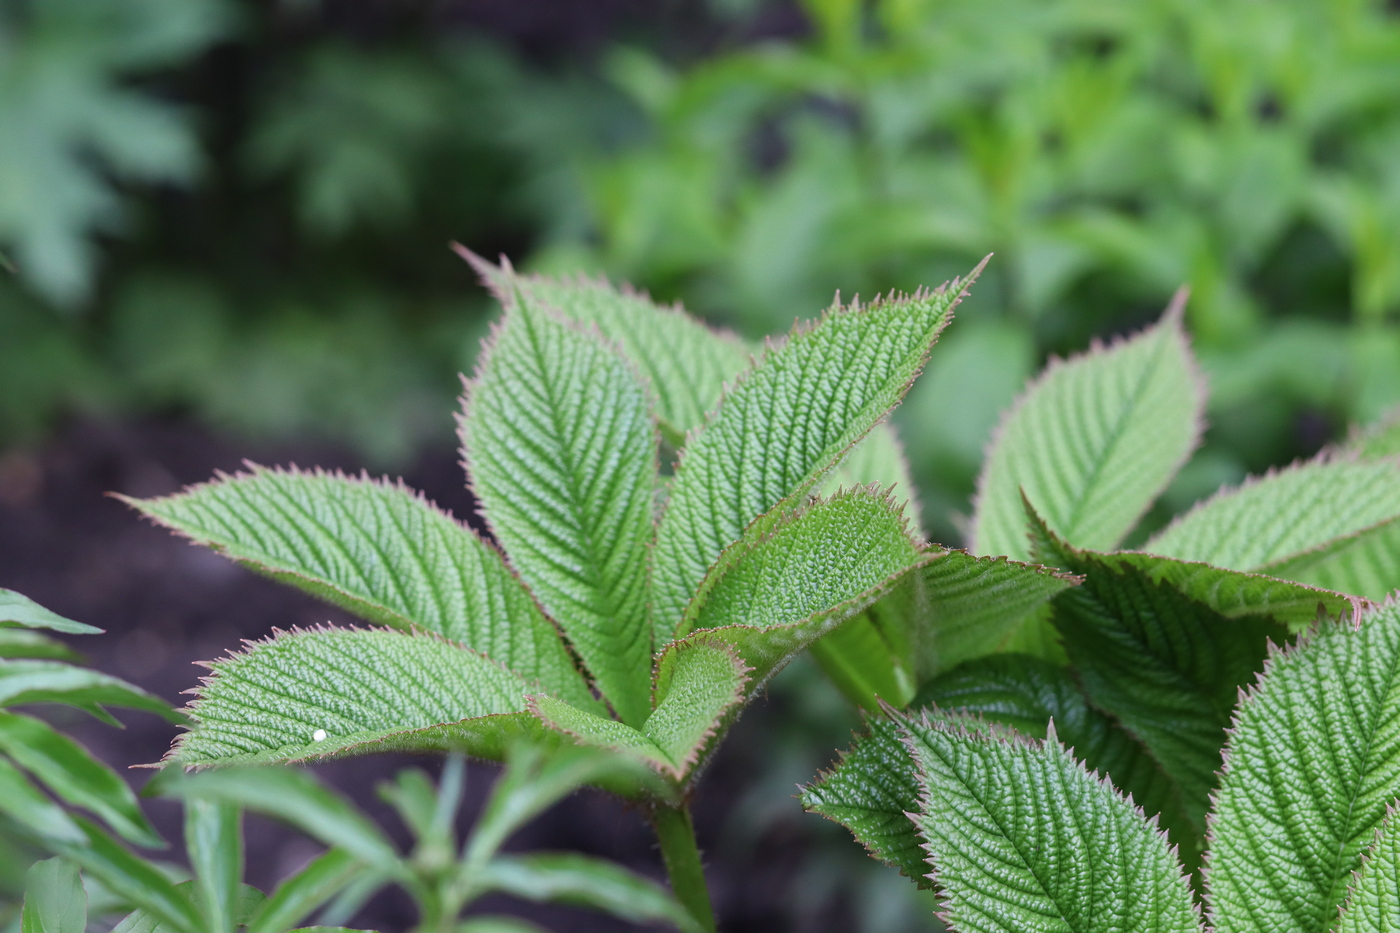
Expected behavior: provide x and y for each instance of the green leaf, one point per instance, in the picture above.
(1310, 521)
(868, 659)
(24, 803)
(1027, 693)
(1168, 666)
(249, 899)
(686, 363)
(135, 880)
(786, 423)
(75, 776)
(21, 643)
(705, 684)
(1376, 441)
(1374, 900)
(380, 551)
(54, 899)
(1312, 765)
(306, 891)
(1092, 442)
(879, 459)
(569, 878)
(26, 681)
(1023, 839)
(290, 795)
(214, 845)
(25, 612)
(871, 791)
(558, 439)
(795, 576)
(331, 692)
(976, 603)
(498, 924)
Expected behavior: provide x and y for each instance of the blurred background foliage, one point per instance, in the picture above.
(238, 210)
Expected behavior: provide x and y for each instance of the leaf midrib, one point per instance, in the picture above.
(1115, 437)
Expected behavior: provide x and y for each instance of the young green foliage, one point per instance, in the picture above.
(1020, 836)
(1093, 442)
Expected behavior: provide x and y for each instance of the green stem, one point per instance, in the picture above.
(676, 833)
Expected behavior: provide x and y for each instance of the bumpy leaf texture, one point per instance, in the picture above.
(686, 363)
(1330, 521)
(1312, 765)
(558, 440)
(381, 552)
(329, 692)
(786, 423)
(1373, 905)
(1023, 839)
(1092, 442)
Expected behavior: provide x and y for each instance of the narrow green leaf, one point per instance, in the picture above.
(380, 551)
(24, 803)
(568, 878)
(22, 643)
(1023, 839)
(498, 924)
(214, 845)
(1312, 765)
(290, 795)
(35, 681)
(16, 609)
(782, 427)
(75, 776)
(686, 363)
(1168, 666)
(558, 439)
(54, 899)
(1373, 903)
(331, 692)
(865, 662)
(249, 899)
(871, 791)
(794, 577)
(1027, 693)
(974, 604)
(1288, 521)
(135, 880)
(1092, 442)
(306, 891)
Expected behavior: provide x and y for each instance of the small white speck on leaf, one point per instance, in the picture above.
(319, 735)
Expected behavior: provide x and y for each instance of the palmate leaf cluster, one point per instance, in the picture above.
(1007, 791)
(615, 606)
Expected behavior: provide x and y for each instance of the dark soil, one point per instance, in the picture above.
(166, 604)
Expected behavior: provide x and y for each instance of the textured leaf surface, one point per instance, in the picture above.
(1166, 665)
(795, 576)
(601, 732)
(1373, 904)
(1378, 440)
(1092, 442)
(379, 551)
(871, 791)
(559, 441)
(329, 692)
(782, 427)
(975, 603)
(17, 609)
(1026, 693)
(1023, 839)
(1312, 766)
(1277, 518)
(686, 363)
(878, 459)
(1366, 563)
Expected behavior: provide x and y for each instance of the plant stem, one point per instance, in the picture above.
(676, 833)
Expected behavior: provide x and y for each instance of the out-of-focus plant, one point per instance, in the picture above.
(1106, 153)
(93, 874)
